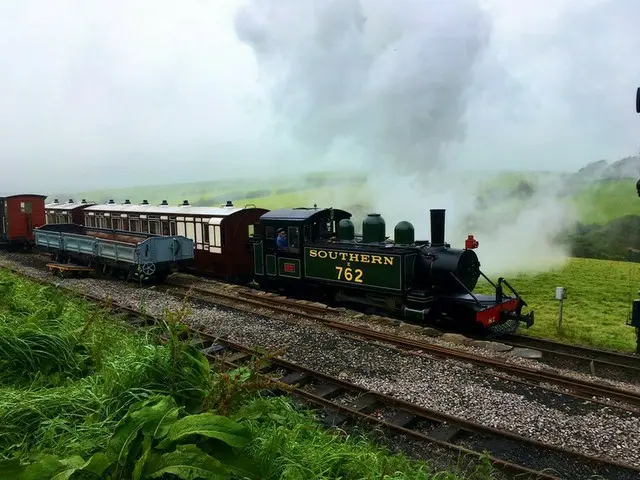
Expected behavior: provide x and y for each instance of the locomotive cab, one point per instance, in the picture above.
(280, 261)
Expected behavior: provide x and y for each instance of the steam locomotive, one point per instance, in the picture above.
(418, 280)
(322, 258)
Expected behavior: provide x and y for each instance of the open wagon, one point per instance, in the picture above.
(131, 256)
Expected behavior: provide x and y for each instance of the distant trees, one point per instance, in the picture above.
(610, 241)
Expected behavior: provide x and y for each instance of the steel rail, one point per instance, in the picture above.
(582, 388)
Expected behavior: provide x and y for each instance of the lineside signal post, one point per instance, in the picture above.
(561, 294)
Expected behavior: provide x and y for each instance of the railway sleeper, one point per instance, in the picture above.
(327, 390)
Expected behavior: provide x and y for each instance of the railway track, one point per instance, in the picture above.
(606, 364)
(578, 388)
(602, 363)
(509, 452)
(615, 365)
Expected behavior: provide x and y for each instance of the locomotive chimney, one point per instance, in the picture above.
(437, 227)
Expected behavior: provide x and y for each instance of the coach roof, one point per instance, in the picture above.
(67, 205)
(165, 210)
(12, 195)
(303, 214)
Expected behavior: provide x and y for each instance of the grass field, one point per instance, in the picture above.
(597, 304)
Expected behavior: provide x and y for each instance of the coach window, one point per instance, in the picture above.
(205, 231)
(294, 240)
(217, 237)
(251, 231)
(153, 227)
(165, 227)
(134, 225)
(190, 227)
(116, 224)
(172, 227)
(25, 207)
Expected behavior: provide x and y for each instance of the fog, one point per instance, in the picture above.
(427, 97)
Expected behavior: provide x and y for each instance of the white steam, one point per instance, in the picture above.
(390, 78)
(388, 84)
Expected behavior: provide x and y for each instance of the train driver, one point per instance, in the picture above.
(282, 239)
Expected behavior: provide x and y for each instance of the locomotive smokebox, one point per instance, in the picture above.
(437, 227)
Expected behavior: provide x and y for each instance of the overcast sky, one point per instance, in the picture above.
(99, 93)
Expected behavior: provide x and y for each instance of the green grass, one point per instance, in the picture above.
(82, 392)
(68, 371)
(597, 304)
(605, 201)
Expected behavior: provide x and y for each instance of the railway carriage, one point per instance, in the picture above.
(220, 235)
(68, 212)
(418, 280)
(20, 214)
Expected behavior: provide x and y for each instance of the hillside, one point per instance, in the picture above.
(606, 200)
(597, 201)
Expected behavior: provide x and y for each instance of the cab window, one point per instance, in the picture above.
(270, 233)
(293, 238)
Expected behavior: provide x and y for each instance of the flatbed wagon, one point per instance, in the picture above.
(134, 256)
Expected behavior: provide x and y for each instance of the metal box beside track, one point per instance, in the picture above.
(155, 255)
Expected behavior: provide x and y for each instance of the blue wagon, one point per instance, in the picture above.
(133, 256)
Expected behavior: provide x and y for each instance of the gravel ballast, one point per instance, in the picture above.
(449, 386)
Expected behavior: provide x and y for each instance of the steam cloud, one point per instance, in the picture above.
(389, 77)
(390, 82)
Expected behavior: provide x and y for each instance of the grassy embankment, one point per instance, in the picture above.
(597, 304)
(82, 395)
